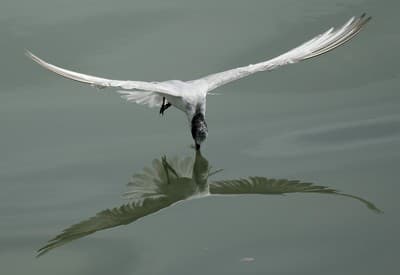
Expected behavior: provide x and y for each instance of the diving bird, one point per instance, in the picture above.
(190, 96)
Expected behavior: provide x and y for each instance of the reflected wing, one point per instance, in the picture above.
(163, 178)
(108, 218)
(147, 93)
(156, 187)
(320, 44)
(261, 185)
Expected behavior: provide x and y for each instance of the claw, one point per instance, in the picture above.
(164, 106)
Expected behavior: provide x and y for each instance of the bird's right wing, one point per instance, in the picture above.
(262, 185)
(141, 92)
(266, 186)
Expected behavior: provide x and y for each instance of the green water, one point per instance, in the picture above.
(68, 151)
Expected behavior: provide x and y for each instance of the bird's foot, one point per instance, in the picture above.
(164, 107)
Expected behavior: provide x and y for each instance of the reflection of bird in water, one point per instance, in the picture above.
(169, 181)
(190, 96)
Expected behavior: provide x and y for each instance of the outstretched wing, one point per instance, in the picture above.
(147, 93)
(320, 44)
(155, 188)
(108, 218)
(266, 186)
(262, 185)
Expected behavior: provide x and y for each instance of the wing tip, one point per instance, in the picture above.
(28, 53)
(33, 57)
(364, 14)
(364, 18)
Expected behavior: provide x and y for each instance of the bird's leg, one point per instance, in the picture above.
(168, 168)
(164, 106)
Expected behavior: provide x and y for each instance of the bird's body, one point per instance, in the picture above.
(190, 96)
(193, 96)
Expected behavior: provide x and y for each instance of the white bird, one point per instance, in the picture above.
(190, 96)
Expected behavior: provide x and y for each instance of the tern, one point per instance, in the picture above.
(190, 96)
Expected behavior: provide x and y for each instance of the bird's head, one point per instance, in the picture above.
(199, 129)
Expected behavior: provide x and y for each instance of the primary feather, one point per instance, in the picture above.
(190, 96)
(161, 87)
(318, 45)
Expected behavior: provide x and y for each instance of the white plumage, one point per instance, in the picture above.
(190, 96)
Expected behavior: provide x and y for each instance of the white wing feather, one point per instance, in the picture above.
(150, 99)
(154, 87)
(318, 45)
(151, 93)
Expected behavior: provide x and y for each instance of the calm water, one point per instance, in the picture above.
(68, 151)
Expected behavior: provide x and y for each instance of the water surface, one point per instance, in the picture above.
(68, 151)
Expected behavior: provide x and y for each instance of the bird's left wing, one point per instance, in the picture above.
(139, 86)
(318, 45)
